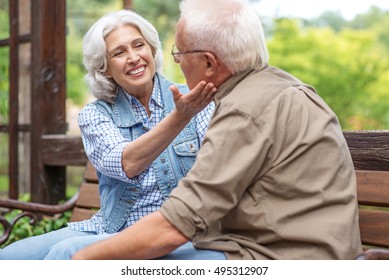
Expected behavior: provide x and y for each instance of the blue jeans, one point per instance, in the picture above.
(63, 243)
(53, 245)
(188, 252)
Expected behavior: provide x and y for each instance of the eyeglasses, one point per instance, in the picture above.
(177, 54)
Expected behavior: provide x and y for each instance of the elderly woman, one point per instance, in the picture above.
(141, 134)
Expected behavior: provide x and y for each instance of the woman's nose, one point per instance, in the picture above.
(132, 56)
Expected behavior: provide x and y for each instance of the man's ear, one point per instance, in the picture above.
(211, 63)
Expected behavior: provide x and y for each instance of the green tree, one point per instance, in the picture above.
(162, 14)
(332, 19)
(344, 67)
(367, 20)
(80, 17)
(4, 61)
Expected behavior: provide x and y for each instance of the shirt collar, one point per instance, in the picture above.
(155, 95)
(226, 87)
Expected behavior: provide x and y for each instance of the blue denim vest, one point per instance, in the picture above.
(118, 197)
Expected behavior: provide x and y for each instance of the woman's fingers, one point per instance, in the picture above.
(201, 92)
(194, 101)
(176, 93)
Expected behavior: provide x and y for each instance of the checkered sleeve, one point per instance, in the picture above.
(202, 120)
(103, 143)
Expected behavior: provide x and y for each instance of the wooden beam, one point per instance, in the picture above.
(20, 127)
(63, 150)
(22, 38)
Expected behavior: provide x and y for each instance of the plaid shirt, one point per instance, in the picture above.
(150, 198)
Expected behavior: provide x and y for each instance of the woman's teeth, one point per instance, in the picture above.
(137, 71)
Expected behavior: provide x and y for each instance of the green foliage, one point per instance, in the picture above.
(171, 69)
(368, 20)
(76, 89)
(162, 14)
(80, 16)
(4, 181)
(74, 175)
(4, 54)
(346, 68)
(3, 184)
(4, 20)
(4, 154)
(24, 228)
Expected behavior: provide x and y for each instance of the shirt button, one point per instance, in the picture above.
(162, 160)
(165, 172)
(192, 148)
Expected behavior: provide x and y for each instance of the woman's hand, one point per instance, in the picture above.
(141, 152)
(188, 105)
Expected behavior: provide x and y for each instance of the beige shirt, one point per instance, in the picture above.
(274, 178)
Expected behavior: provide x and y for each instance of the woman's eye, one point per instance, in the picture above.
(139, 45)
(120, 53)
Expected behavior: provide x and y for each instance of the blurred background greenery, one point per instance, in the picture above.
(347, 61)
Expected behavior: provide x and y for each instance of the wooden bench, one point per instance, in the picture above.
(88, 200)
(83, 205)
(370, 153)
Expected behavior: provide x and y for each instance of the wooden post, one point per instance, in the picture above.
(127, 4)
(13, 139)
(24, 96)
(48, 92)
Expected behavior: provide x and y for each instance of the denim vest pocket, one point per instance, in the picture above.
(186, 152)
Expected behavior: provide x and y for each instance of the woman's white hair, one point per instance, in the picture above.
(231, 29)
(94, 50)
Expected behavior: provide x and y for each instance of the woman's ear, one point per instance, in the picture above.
(108, 74)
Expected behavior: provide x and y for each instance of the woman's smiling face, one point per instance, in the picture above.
(130, 60)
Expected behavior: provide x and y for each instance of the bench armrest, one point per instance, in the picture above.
(30, 210)
(38, 207)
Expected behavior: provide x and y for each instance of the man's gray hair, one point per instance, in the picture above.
(231, 29)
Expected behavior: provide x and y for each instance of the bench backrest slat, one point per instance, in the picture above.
(90, 174)
(88, 201)
(373, 188)
(80, 214)
(374, 225)
(369, 149)
(88, 196)
(370, 154)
